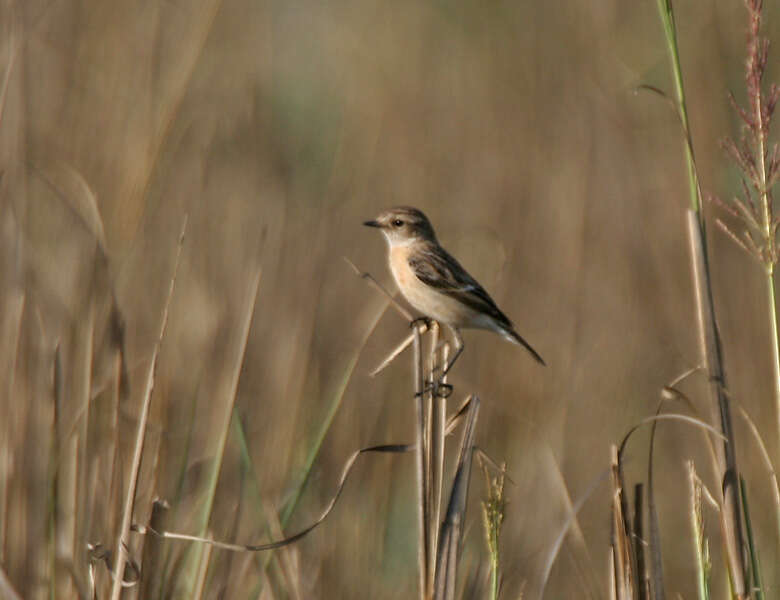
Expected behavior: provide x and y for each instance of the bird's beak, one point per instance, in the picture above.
(372, 224)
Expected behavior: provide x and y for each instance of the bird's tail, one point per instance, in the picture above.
(511, 335)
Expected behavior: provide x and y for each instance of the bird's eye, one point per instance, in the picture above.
(397, 223)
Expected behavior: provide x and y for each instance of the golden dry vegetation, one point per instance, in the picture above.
(276, 128)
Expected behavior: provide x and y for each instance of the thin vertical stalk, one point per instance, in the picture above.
(709, 340)
(670, 30)
(755, 566)
(611, 583)
(766, 213)
(422, 488)
(82, 389)
(772, 297)
(54, 454)
(711, 353)
(438, 425)
(127, 513)
(446, 569)
(621, 542)
(493, 578)
(638, 539)
(433, 454)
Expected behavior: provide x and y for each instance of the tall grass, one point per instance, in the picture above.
(278, 128)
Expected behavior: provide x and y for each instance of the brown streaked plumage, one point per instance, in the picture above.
(435, 283)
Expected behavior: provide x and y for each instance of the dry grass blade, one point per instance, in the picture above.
(611, 586)
(622, 549)
(389, 448)
(223, 429)
(671, 417)
(452, 527)
(127, 513)
(370, 278)
(407, 341)
(711, 354)
(454, 420)
(420, 327)
(656, 566)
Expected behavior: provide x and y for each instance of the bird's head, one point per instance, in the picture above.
(403, 225)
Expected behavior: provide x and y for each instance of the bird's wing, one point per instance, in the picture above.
(435, 267)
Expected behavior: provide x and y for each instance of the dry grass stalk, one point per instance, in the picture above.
(452, 527)
(438, 423)
(82, 391)
(423, 518)
(127, 513)
(622, 552)
(430, 432)
(290, 539)
(711, 354)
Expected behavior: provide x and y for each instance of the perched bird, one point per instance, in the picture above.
(435, 284)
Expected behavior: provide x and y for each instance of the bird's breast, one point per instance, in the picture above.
(402, 272)
(426, 299)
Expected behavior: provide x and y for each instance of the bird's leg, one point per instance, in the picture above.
(456, 337)
(437, 387)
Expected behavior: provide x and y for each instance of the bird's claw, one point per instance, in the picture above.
(420, 320)
(441, 390)
(437, 388)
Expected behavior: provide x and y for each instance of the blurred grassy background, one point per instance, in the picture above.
(278, 127)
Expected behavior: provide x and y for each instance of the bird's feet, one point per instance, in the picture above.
(420, 321)
(440, 389)
(437, 388)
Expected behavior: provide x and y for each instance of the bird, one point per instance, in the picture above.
(435, 284)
